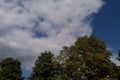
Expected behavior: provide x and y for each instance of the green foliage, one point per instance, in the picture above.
(118, 72)
(43, 69)
(87, 59)
(10, 69)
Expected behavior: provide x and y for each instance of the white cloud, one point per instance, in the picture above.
(28, 27)
(115, 61)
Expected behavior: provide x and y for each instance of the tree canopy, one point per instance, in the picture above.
(43, 69)
(10, 69)
(87, 59)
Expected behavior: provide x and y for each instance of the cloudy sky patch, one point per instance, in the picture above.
(28, 27)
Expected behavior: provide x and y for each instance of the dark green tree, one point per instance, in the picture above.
(87, 59)
(118, 72)
(118, 67)
(10, 69)
(43, 69)
(118, 55)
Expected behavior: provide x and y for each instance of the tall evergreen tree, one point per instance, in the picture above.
(43, 69)
(10, 69)
(87, 59)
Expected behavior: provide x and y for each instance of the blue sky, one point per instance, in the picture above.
(107, 24)
(29, 27)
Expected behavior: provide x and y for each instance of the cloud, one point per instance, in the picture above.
(115, 61)
(28, 27)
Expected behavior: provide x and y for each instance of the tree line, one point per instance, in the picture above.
(87, 59)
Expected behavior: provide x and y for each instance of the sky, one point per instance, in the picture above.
(107, 24)
(28, 27)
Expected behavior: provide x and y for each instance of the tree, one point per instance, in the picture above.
(87, 59)
(118, 67)
(43, 69)
(10, 69)
(118, 55)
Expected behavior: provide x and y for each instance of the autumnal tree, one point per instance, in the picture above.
(10, 69)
